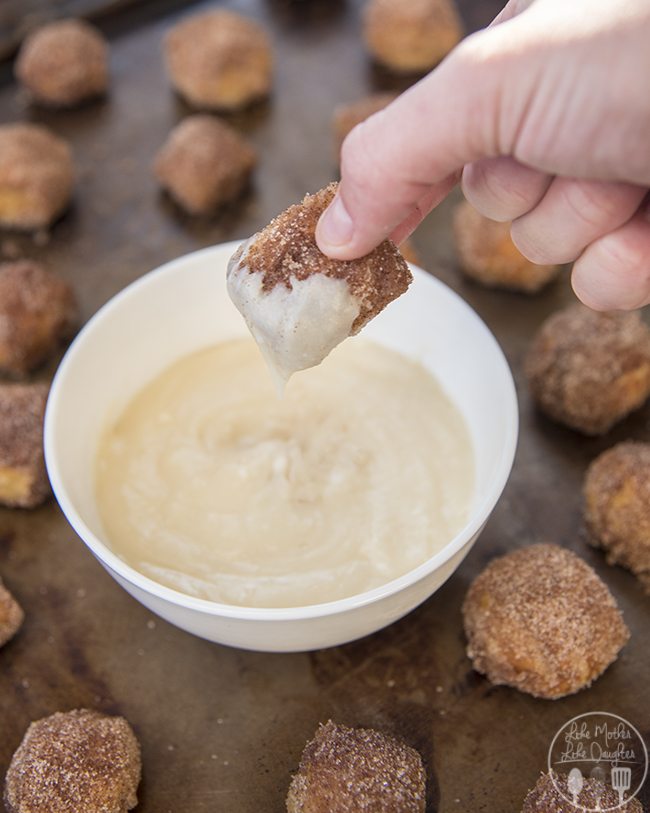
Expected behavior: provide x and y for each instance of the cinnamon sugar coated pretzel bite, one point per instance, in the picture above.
(411, 36)
(79, 761)
(617, 506)
(219, 60)
(487, 255)
(298, 303)
(589, 370)
(347, 116)
(37, 312)
(546, 798)
(541, 620)
(204, 163)
(36, 176)
(11, 615)
(64, 63)
(357, 770)
(23, 479)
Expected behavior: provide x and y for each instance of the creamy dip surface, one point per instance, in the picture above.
(212, 485)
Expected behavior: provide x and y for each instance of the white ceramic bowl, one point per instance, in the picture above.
(184, 306)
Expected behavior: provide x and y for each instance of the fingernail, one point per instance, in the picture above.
(335, 227)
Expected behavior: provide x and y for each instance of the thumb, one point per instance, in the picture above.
(402, 161)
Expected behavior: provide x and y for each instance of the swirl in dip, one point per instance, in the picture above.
(210, 484)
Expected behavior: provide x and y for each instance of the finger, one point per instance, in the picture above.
(573, 214)
(502, 188)
(613, 273)
(409, 149)
(428, 202)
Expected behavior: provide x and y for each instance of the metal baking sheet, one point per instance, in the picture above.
(221, 729)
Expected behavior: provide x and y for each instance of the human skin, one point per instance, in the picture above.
(545, 118)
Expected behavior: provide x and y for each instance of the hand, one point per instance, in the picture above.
(546, 114)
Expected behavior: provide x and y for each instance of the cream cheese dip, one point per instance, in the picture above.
(210, 484)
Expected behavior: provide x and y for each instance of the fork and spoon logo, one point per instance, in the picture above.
(601, 746)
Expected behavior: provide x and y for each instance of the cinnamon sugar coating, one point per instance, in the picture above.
(347, 116)
(36, 176)
(411, 36)
(11, 615)
(37, 312)
(589, 370)
(204, 163)
(546, 798)
(79, 761)
(219, 60)
(541, 620)
(23, 478)
(64, 63)
(487, 254)
(357, 770)
(287, 248)
(617, 506)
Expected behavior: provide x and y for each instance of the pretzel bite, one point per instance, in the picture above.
(356, 770)
(37, 312)
(347, 116)
(36, 176)
(411, 36)
(203, 164)
(541, 620)
(298, 303)
(219, 60)
(79, 761)
(11, 615)
(617, 506)
(594, 795)
(23, 479)
(589, 370)
(64, 63)
(487, 255)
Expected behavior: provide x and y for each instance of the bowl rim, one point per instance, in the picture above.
(126, 572)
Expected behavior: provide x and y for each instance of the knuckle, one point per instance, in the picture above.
(489, 186)
(591, 203)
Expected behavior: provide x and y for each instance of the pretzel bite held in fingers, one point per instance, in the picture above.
(36, 176)
(37, 312)
(541, 620)
(355, 770)
(589, 369)
(298, 303)
(487, 255)
(203, 164)
(219, 60)
(617, 506)
(78, 761)
(64, 63)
